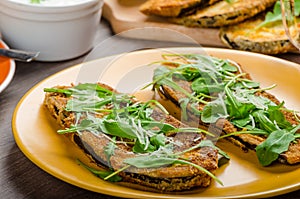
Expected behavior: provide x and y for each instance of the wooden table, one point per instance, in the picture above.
(19, 177)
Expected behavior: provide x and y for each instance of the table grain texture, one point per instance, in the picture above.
(19, 177)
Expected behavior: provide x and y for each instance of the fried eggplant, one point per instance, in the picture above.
(223, 13)
(218, 95)
(173, 8)
(157, 152)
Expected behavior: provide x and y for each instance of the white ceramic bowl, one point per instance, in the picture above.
(59, 32)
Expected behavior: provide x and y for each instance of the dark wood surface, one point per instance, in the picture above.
(19, 177)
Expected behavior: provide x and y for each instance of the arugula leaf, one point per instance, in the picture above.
(88, 89)
(86, 96)
(162, 77)
(276, 115)
(243, 122)
(79, 105)
(213, 111)
(275, 15)
(297, 7)
(109, 149)
(67, 92)
(260, 102)
(202, 85)
(264, 122)
(183, 102)
(35, 1)
(187, 73)
(86, 124)
(118, 128)
(250, 84)
(150, 161)
(158, 140)
(142, 148)
(225, 64)
(101, 174)
(236, 108)
(276, 143)
(153, 125)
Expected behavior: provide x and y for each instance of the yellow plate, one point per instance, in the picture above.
(35, 131)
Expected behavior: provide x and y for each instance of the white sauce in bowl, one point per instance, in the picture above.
(52, 2)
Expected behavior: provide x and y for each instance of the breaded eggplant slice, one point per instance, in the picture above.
(177, 177)
(224, 13)
(173, 8)
(270, 39)
(245, 141)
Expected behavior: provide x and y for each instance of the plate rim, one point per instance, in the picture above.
(268, 193)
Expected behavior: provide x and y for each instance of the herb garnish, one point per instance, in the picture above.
(276, 16)
(101, 173)
(36, 1)
(127, 122)
(220, 90)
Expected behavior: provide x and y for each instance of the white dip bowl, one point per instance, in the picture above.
(58, 29)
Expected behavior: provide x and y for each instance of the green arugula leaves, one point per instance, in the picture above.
(165, 157)
(275, 14)
(230, 1)
(35, 1)
(278, 141)
(101, 173)
(214, 110)
(127, 122)
(227, 93)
